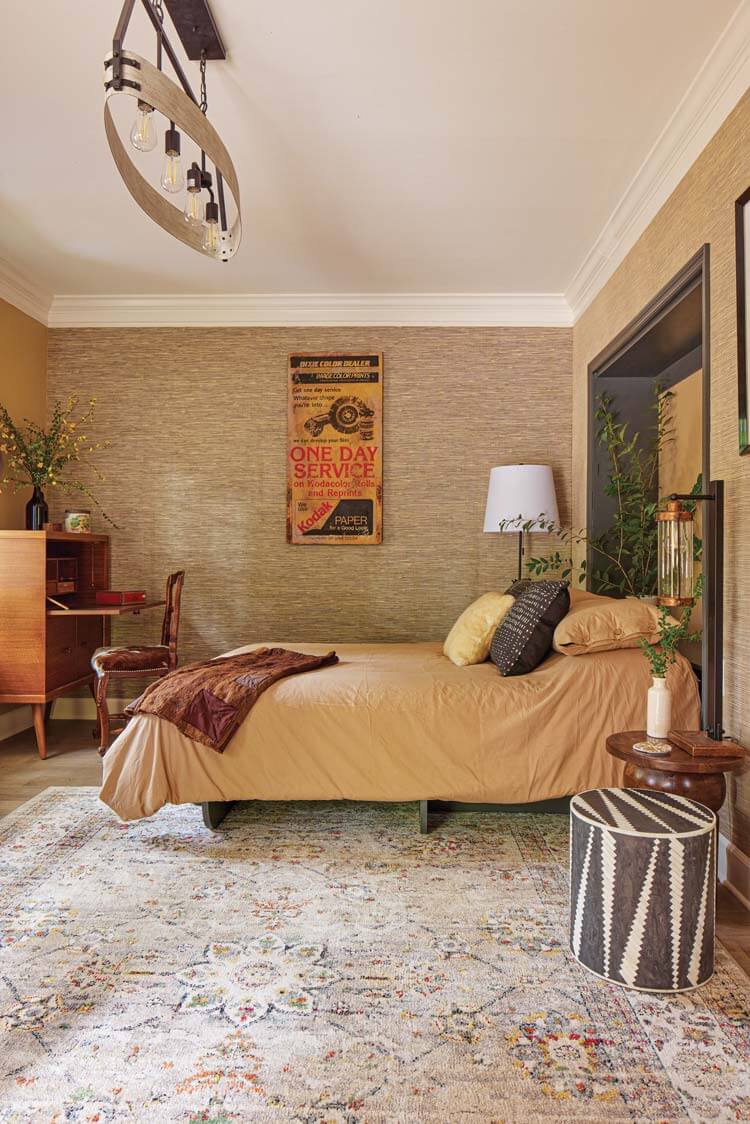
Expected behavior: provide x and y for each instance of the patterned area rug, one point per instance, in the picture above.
(325, 962)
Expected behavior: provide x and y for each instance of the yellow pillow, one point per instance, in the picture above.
(602, 624)
(470, 638)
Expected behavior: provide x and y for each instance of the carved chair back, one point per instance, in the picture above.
(171, 624)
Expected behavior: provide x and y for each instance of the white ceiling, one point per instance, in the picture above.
(382, 146)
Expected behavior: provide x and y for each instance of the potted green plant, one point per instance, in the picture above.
(46, 458)
(623, 558)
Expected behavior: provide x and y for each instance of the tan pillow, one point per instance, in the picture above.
(602, 624)
(470, 638)
(577, 594)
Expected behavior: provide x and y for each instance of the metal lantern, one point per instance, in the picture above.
(675, 551)
(675, 585)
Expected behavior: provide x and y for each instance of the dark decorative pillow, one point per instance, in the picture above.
(520, 586)
(524, 636)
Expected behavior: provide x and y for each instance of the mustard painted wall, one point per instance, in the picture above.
(23, 388)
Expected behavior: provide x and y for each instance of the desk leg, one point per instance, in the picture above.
(37, 710)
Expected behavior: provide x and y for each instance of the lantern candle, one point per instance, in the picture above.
(675, 553)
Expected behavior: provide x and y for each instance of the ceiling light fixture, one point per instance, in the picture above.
(210, 220)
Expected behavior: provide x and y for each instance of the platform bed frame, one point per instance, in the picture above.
(214, 811)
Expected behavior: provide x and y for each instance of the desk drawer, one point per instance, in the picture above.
(62, 638)
(89, 637)
(71, 642)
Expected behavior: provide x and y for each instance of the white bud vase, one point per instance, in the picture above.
(659, 709)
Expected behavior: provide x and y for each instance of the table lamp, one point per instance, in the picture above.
(520, 493)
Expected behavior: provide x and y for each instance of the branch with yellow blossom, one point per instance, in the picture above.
(43, 458)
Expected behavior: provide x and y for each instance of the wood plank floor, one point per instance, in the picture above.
(73, 760)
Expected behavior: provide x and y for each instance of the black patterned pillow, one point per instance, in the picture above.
(519, 586)
(524, 636)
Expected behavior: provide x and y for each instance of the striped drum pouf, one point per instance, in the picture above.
(643, 888)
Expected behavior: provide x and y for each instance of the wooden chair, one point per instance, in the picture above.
(138, 660)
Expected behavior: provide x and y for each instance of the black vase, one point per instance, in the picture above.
(37, 512)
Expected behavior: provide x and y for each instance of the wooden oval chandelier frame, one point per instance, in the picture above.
(140, 79)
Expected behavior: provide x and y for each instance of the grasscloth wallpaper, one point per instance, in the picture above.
(700, 210)
(196, 473)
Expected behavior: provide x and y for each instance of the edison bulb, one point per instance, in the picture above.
(211, 237)
(143, 133)
(172, 175)
(193, 206)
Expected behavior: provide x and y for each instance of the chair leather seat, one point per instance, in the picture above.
(137, 659)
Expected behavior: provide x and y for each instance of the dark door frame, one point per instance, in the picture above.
(695, 272)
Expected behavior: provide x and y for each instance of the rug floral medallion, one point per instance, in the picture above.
(326, 963)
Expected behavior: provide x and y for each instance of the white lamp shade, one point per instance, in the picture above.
(525, 490)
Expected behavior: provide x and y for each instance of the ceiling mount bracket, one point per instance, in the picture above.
(196, 28)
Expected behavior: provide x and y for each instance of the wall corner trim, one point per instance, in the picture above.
(272, 310)
(15, 720)
(23, 294)
(714, 92)
(734, 870)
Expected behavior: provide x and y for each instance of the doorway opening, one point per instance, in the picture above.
(654, 378)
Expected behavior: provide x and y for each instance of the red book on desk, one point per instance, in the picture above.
(119, 596)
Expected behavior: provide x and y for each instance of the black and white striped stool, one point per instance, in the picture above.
(643, 888)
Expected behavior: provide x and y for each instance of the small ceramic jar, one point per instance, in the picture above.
(78, 522)
(658, 709)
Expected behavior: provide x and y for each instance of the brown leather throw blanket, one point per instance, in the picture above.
(208, 701)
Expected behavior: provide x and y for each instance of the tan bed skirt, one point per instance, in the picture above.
(395, 722)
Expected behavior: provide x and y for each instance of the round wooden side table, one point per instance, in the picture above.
(699, 778)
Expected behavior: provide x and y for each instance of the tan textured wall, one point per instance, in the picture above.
(23, 387)
(700, 210)
(196, 472)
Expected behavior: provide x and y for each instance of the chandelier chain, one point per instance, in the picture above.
(159, 12)
(204, 97)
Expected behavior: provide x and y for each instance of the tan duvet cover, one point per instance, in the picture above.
(401, 722)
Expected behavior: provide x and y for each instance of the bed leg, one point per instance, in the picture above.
(214, 812)
(423, 809)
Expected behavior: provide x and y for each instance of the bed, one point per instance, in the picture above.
(400, 722)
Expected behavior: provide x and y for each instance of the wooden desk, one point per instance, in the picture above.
(93, 609)
(45, 651)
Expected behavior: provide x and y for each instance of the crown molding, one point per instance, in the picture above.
(719, 84)
(23, 293)
(268, 310)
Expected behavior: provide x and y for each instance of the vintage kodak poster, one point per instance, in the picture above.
(335, 450)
